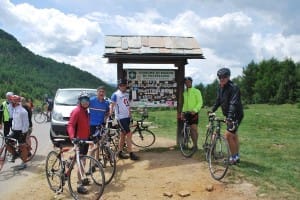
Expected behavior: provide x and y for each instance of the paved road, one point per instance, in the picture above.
(10, 178)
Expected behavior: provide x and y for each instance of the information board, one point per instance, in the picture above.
(152, 87)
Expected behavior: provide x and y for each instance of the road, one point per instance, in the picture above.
(11, 178)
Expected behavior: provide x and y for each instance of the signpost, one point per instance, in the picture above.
(152, 87)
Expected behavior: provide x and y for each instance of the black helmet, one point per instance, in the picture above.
(122, 82)
(83, 95)
(223, 72)
(188, 78)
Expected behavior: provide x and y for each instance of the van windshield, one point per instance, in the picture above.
(70, 97)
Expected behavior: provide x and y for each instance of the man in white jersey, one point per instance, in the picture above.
(121, 107)
(20, 126)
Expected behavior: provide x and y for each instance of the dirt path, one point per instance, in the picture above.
(160, 172)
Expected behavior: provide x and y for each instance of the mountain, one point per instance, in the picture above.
(33, 76)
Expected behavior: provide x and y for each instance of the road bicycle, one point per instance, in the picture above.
(77, 169)
(40, 115)
(31, 144)
(216, 148)
(105, 146)
(141, 135)
(185, 141)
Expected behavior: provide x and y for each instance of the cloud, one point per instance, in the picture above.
(231, 33)
(276, 45)
(50, 31)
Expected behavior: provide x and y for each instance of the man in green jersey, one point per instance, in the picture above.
(192, 103)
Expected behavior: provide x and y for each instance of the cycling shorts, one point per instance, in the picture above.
(233, 127)
(192, 118)
(83, 149)
(124, 124)
(18, 135)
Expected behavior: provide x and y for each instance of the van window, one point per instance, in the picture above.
(70, 97)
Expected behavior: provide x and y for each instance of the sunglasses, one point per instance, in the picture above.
(222, 77)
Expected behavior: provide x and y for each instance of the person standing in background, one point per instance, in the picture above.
(192, 103)
(6, 111)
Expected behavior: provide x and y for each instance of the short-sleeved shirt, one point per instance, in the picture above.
(98, 110)
(121, 100)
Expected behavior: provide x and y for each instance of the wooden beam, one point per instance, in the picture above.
(180, 88)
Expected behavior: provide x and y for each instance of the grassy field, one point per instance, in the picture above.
(269, 146)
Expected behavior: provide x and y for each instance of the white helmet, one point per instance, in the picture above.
(9, 94)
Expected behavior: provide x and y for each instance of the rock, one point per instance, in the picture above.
(209, 188)
(184, 193)
(168, 194)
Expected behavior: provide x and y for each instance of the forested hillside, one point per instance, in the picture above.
(270, 81)
(33, 76)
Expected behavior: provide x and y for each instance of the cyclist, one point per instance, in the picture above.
(49, 102)
(79, 127)
(99, 110)
(120, 104)
(229, 98)
(6, 114)
(20, 126)
(192, 103)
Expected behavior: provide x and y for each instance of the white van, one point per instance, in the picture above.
(65, 101)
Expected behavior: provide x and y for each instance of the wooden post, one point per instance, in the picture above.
(120, 71)
(180, 88)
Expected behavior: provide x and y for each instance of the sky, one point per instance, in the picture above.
(231, 33)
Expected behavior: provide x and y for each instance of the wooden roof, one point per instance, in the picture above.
(150, 49)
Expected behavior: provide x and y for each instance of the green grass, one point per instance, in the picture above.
(269, 146)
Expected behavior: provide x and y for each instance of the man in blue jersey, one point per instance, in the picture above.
(120, 104)
(99, 110)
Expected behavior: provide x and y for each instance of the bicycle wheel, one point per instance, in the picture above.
(218, 158)
(186, 144)
(1, 140)
(207, 144)
(40, 118)
(108, 161)
(32, 142)
(114, 140)
(143, 138)
(91, 178)
(54, 172)
(3, 152)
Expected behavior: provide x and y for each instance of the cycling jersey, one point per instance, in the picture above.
(192, 100)
(229, 98)
(121, 100)
(98, 110)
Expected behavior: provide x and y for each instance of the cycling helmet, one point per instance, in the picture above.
(15, 98)
(83, 95)
(223, 72)
(122, 82)
(9, 94)
(188, 78)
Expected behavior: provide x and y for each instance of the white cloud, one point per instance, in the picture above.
(231, 33)
(277, 46)
(51, 31)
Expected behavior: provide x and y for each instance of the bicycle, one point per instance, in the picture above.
(218, 150)
(185, 141)
(85, 168)
(103, 140)
(31, 142)
(141, 135)
(40, 114)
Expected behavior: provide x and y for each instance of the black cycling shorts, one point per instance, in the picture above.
(83, 149)
(192, 118)
(233, 127)
(124, 125)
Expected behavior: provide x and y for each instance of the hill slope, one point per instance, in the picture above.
(33, 76)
